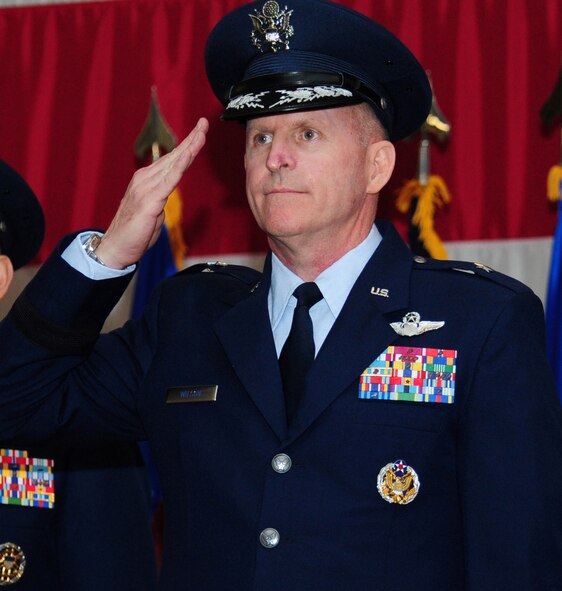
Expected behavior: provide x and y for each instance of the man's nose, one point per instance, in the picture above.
(280, 156)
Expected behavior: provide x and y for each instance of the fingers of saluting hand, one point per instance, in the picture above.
(167, 171)
(157, 181)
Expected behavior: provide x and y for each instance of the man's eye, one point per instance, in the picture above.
(310, 134)
(262, 138)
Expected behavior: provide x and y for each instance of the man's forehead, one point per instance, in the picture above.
(303, 118)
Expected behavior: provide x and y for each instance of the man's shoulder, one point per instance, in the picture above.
(214, 278)
(483, 275)
(220, 269)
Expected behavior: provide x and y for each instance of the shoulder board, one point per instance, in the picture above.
(245, 274)
(470, 268)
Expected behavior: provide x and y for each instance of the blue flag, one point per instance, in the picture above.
(156, 264)
(554, 305)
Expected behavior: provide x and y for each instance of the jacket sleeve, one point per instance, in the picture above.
(56, 372)
(511, 493)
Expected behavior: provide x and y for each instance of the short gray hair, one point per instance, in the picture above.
(367, 124)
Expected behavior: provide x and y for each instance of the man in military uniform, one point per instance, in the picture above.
(351, 418)
(66, 506)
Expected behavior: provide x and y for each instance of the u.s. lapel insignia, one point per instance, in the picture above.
(12, 563)
(412, 325)
(380, 291)
(398, 483)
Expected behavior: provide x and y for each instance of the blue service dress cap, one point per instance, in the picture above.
(264, 58)
(22, 224)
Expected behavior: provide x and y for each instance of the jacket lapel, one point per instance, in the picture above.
(245, 333)
(362, 331)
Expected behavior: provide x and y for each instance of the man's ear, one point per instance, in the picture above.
(382, 157)
(6, 274)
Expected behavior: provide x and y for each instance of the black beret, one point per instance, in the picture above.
(265, 58)
(22, 224)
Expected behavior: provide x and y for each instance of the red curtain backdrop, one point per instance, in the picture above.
(75, 89)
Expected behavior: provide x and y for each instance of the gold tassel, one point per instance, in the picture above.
(435, 193)
(173, 217)
(554, 182)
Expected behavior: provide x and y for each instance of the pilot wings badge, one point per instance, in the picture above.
(412, 325)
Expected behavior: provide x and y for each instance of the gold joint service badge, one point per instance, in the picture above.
(398, 483)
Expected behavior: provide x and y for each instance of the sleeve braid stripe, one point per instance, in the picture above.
(57, 339)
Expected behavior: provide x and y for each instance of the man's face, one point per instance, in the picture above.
(308, 176)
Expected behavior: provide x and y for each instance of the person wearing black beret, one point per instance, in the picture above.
(351, 418)
(65, 505)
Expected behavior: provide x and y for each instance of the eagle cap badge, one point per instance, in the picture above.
(272, 28)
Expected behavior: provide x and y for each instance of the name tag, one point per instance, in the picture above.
(192, 394)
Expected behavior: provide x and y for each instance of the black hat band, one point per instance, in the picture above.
(294, 91)
(4, 237)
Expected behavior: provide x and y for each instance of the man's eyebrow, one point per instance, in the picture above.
(251, 126)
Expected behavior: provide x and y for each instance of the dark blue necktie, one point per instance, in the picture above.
(297, 354)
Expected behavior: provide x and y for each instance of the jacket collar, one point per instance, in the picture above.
(361, 332)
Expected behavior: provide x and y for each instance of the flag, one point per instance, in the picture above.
(164, 258)
(551, 110)
(554, 303)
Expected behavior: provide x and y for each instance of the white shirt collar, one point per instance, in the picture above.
(335, 282)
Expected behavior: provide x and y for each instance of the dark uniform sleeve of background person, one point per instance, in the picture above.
(104, 538)
(33, 529)
(98, 534)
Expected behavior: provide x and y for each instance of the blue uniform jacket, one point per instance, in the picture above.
(487, 515)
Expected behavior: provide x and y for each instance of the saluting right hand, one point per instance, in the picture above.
(140, 215)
